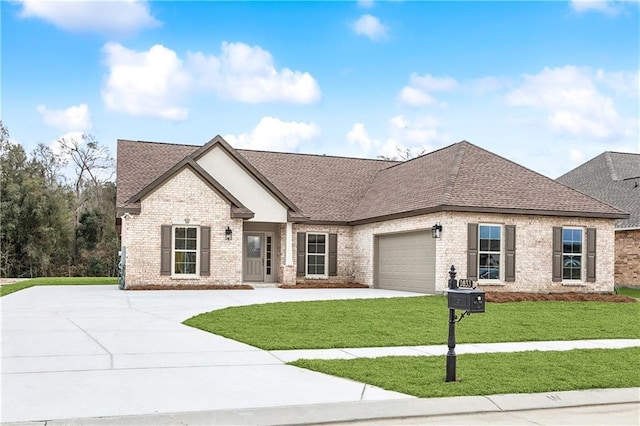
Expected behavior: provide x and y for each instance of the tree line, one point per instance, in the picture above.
(57, 209)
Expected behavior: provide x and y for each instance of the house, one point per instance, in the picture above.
(215, 215)
(614, 177)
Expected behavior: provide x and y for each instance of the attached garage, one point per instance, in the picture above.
(406, 262)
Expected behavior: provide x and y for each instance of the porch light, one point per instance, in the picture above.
(228, 234)
(436, 230)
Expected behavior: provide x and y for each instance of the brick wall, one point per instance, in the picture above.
(345, 252)
(533, 249)
(183, 198)
(627, 257)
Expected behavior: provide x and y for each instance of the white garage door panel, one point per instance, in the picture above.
(407, 262)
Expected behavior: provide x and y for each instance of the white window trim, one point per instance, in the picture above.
(500, 279)
(583, 264)
(326, 256)
(175, 275)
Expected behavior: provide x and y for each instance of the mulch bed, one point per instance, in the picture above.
(506, 297)
(191, 287)
(323, 285)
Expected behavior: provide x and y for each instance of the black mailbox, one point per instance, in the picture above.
(466, 299)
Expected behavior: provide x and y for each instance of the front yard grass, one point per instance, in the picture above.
(411, 321)
(629, 291)
(491, 373)
(12, 288)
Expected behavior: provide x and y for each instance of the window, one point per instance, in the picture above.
(316, 254)
(571, 254)
(489, 252)
(185, 250)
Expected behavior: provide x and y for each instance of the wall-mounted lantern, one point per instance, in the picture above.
(228, 234)
(436, 230)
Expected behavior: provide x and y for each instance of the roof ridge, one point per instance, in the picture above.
(158, 142)
(610, 166)
(455, 171)
(318, 155)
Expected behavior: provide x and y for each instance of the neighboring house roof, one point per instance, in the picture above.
(613, 177)
(461, 177)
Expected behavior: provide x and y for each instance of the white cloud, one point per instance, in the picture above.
(115, 17)
(573, 103)
(367, 4)
(157, 82)
(607, 7)
(358, 136)
(247, 74)
(417, 93)
(624, 82)
(370, 26)
(420, 134)
(147, 83)
(73, 118)
(273, 134)
(74, 138)
(415, 97)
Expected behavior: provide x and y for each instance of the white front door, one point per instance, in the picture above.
(253, 257)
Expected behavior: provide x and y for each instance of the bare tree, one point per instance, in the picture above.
(93, 166)
(403, 154)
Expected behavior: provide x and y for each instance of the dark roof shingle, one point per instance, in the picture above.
(350, 190)
(614, 178)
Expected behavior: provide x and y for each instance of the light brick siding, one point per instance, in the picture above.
(345, 252)
(533, 249)
(627, 257)
(184, 197)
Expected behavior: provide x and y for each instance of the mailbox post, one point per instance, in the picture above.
(467, 299)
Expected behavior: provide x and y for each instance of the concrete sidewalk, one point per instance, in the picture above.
(435, 350)
(88, 352)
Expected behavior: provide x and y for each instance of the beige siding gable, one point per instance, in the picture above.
(235, 178)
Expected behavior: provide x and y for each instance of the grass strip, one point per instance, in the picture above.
(410, 321)
(12, 288)
(629, 291)
(492, 373)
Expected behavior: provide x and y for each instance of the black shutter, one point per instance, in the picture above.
(510, 253)
(472, 251)
(205, 251)
(557, 254)
(165, 250)
(333, 254)
(591, 255)
(302, 251)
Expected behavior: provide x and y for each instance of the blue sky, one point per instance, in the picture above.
(547, 84)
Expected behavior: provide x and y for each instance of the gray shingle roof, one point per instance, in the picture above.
(614, 178)
(466, 177)
(460, 177)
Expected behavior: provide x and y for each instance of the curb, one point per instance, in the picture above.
(367, 410)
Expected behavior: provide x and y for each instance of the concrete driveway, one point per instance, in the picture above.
(91, 351)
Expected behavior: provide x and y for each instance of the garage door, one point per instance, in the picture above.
(406, 262)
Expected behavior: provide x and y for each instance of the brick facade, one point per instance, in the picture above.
(183, 200)
(186, 199)
(627, 261)
(533, 249)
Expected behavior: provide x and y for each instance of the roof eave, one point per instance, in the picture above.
(499, 210)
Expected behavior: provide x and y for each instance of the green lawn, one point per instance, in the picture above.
(493, 373)
(11, 288)
(628, 291)
(415, 321)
